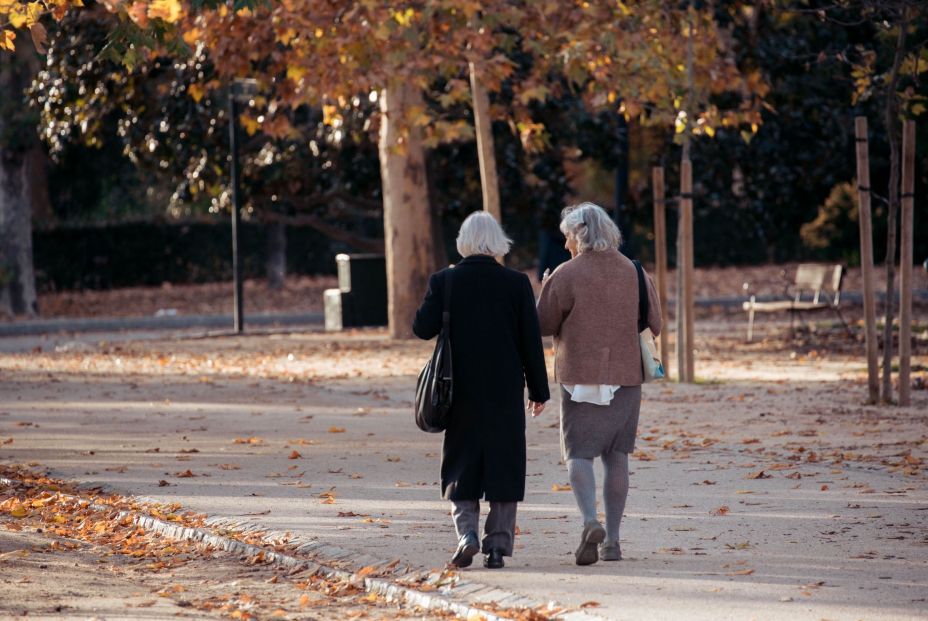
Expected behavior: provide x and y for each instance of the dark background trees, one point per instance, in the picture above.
(147, 142)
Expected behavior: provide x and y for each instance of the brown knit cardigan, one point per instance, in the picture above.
(590, 305)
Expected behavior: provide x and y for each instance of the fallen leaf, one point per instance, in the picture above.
(723, 510)
(336, 430)
(294, 455)
(760, 474)
(590, 604)
(365, 571)
(560, 488)
(740, 572)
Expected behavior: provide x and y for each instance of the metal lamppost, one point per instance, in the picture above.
(239, 90)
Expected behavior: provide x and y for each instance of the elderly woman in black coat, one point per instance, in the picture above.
(496, 350)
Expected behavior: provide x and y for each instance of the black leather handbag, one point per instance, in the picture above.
(434, 386)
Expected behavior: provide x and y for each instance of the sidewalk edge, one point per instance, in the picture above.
(327, 556)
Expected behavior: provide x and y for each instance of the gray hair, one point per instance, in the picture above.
(481, 234)
(591, 226)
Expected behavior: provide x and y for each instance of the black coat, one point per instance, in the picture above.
(496, 349)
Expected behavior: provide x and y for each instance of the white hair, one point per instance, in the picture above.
(481, 234)
(591, 226)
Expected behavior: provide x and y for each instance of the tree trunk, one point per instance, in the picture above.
(276, 265)
(407, 217)
(439, 248)
(43, 216)
(891, 119)
(17, 276)
(486, 155)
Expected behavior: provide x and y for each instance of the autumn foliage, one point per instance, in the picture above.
(325, 53)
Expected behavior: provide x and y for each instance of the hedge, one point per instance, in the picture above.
(151, 253)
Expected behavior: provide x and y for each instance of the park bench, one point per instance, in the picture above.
(821, 282)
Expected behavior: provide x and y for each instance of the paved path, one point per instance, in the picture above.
(751, 498)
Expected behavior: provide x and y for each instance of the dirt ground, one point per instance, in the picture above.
(46, 576)
(304, 293)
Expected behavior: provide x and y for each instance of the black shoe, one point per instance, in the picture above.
(468, 546)
(494, 559)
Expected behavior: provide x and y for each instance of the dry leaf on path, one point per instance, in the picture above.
(723, 510)
(561, 488)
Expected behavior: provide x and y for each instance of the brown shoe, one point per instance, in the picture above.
(588, 551)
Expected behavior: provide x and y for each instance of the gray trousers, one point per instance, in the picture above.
(499, 530)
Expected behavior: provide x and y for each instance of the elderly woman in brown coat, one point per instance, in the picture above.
(590, 305)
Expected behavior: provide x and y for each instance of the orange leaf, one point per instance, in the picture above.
(740, 572)
(7, 38)
(723, 510)
(336, 430)
(365, 571)
(196, 91)
(560, 488)
(294, 455)
(590, 604)
(167, 10)
(19, 512)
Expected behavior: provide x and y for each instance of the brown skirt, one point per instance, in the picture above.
(589, 430)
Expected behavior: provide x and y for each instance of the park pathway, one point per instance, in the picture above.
(765, 492)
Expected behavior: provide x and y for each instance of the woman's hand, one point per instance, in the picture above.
(545, 275)
(535, 408)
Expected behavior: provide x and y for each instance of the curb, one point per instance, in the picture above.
(460, 597)
(181, 322)
(170, 322)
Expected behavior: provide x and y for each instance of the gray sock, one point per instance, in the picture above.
(615, 491)
(583, 483)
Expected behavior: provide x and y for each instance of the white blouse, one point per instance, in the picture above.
(591, 393)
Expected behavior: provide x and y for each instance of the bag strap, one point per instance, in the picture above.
(642, 298)
(446, 311)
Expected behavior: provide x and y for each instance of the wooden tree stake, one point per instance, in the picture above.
(866, 256)
(905, 258)
(660, 255)
(686, 205)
